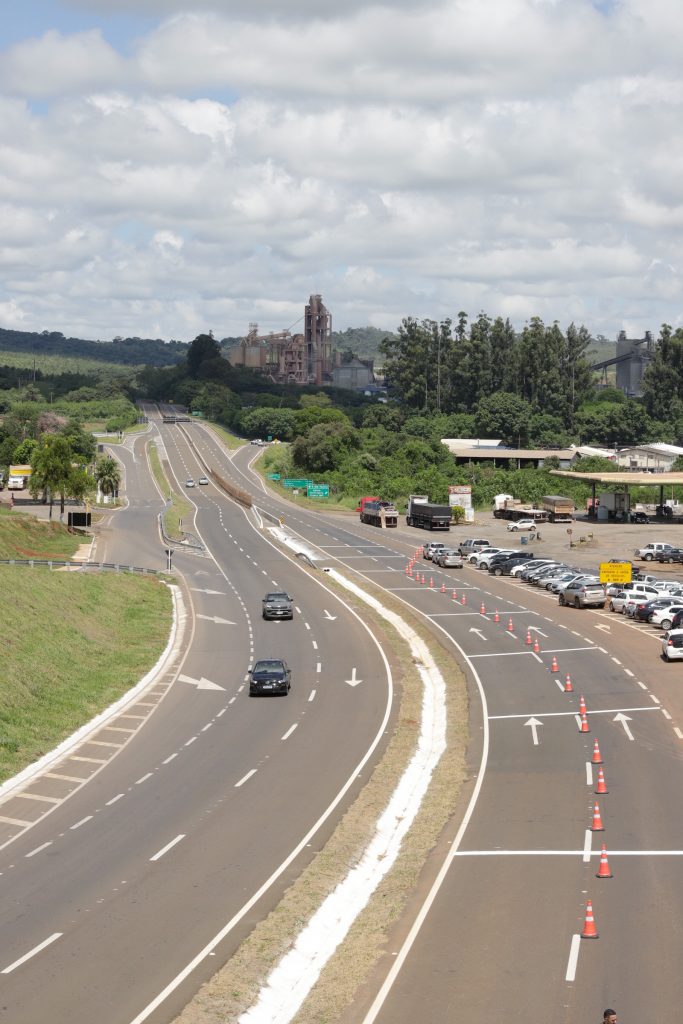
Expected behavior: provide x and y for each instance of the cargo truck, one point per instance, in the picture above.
(507, 507)
(559, 508)
(18, 478)
(426, 516)
(379, 513)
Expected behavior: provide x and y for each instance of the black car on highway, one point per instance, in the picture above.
(270, 676)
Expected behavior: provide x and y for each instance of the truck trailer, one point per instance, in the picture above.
(379, 513)
(559, 508)
(507, 507)
(426, 516)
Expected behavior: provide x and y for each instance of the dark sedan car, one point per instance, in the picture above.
(643, 611)
(270, 675)
(504, 566)
(677, 621)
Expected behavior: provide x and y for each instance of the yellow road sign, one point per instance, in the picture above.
(615, 572)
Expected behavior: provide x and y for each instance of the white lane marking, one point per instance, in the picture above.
(221, 712)
(169, 846)
(170, 758)
(562, 714)
(207, 726)
(678, 732)
(81, 822)
(307, 625)
(190, 741)
(289, 731)
(642, 685)
(114, 799)
(666, 714)
(315, 645)
(566, 853)
(538, 659)
(655, 699)
(573, 958)
(318, 667)
(232, 700)
(616, 661)
(560, 684)
(311, 696)
(587, 846)
(628, 672)
(602, 650)
(589, 773)
(27, 956)
(144, 778)
(62, 778)
(39, 848)
(562, 650)
(245, 777)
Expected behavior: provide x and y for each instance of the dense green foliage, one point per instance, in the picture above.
(128, 351)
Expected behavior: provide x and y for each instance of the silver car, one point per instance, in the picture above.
(583, 595)
(450, 559)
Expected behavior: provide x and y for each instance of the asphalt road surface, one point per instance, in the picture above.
(496, 926)
(201, 803)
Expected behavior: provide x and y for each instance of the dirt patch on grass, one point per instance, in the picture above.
(235, 987)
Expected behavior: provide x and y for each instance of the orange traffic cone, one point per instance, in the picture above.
(510, 626)
(597, 825)
(554, 666)
(423, 578)
(604, 871)
(528, 638)
(596, 758)
(537, 646)
(496, 617)
(482, 610)
(464, 599)
(589, 929)
(601, 787)
(443, 588)
(568, 688)
(431, 581)
(455, 595)
(582, 705)
(584, 724)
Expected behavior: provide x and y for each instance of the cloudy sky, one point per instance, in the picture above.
(169, 167)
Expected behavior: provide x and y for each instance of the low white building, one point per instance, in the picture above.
(654, 458)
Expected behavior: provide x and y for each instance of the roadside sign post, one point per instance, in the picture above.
(169, 556)
(616, 572)
(570, 537)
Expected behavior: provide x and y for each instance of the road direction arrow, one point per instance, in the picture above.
(535, 629)
(478, 632)
(353, 681)
(621, 717)
(201, 684)
(604, 627)
(198, 590)
(330, 617)
(534, 723)
(217, 620)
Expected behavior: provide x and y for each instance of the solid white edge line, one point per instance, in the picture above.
(573, 958)
(27, 956)
(169, 846)
(589, 773)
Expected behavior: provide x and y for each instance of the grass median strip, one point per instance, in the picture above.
(177, 508)
(236, 986)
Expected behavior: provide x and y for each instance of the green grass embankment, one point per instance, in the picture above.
(70, 643)
(177, 507)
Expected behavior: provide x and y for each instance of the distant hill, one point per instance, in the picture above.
(362, 341)
(124, 351)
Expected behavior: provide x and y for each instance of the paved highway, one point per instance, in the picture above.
(200, 804)
(498, 931)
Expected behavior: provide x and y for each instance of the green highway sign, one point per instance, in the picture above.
(273, 476)
(296, 483)
(318, 490)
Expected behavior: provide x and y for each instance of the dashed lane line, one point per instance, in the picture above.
(32, 953)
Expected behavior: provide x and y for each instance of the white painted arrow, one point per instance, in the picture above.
(535, 629)
(353, 681)
(198, 590)
(217, 620)
(330, 617)
(603, 626)
(621, 717)
(478, 632)
(201, 684)
(534, 723)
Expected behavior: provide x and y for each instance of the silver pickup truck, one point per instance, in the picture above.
(278, 605)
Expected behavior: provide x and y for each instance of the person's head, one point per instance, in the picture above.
(609, 1017)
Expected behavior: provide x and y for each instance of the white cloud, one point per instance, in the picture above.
(517, 156)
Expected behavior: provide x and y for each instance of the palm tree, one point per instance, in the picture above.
(108, 475)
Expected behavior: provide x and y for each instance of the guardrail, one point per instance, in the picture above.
(61, 563)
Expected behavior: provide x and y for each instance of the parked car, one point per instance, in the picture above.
(270, 675)
(663, 617)
(472, 544)
(642, 612)
(501, 554)
(447, 558)
(640, 517)
(535, 563)
(617, 601)
(474, 556)
(277, 605)
(672, 555)
(507, 565)
(430, 547)
(650, 551)
(672, 645)
(522, 524)
(677, 621)
(557, 583)
(583, 595)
